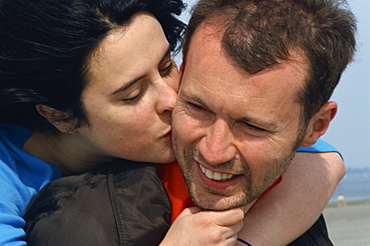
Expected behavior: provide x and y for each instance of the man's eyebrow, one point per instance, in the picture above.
(250, 120)
(127, 85)
(193, 99)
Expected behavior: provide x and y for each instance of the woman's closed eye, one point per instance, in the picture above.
(134, 93)
(134, 98)
(165, 71)
(167, 66)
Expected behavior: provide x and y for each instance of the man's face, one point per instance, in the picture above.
(234, 133)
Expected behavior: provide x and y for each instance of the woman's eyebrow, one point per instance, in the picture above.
(132, 82)
(166, 54)
(127, 85)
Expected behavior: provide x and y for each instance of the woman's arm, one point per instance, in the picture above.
(199, 228)
(291, 208)
(13, 201)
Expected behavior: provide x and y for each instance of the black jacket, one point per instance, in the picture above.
(122, 204)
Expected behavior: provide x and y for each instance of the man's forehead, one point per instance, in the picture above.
(209, 34)
(208, 66)
(205, 34)
(212, 77)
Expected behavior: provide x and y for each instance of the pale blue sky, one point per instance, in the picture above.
(350, 130)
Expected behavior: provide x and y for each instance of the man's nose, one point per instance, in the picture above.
(217, 146)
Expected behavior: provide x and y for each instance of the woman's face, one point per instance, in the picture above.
(131, 93)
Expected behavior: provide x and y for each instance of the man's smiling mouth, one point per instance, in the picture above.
(216, 175)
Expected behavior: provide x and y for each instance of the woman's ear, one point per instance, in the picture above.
(319, 123)
(57, 118)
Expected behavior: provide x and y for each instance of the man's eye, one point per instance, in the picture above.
(199, 111)
(195, 106)
(253, 127)
(253, 130)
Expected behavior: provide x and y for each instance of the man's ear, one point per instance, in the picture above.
(57, 118)
(319, 123)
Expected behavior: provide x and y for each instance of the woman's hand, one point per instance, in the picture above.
(195, 227)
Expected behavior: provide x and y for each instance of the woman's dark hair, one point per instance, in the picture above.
(45, 47)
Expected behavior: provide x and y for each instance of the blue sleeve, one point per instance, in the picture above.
(320, 147)
(14, 198)
(21, 176)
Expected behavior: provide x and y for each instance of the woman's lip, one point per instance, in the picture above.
(167, 136)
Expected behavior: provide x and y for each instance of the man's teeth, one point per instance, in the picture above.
(215, 175)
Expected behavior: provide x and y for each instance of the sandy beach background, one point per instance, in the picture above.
(349, 226)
